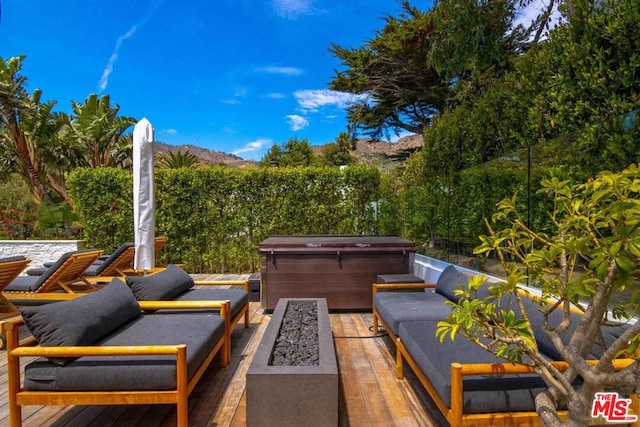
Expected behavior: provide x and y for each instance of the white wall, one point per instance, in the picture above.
(38, 251)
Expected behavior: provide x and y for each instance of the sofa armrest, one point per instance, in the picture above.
(401, 286)
(79, 351)
(243, 283)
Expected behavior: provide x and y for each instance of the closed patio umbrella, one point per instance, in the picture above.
(143, 198)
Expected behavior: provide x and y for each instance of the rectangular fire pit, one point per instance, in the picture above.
(294, 395)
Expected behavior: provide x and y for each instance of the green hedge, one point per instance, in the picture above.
(215, 217)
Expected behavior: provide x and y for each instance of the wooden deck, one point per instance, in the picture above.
(370, 393)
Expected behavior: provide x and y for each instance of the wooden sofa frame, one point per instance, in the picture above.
(455, 414)
(19, 397)
(245, 310)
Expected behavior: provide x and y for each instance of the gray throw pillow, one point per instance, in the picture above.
(81, 321)
(162, 286)
(450, 280)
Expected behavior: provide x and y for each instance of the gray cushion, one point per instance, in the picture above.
(200, 333)
(481, 393)
(237, 297)
(162, 286)
(396, 307)
(12, 258)
(83, 320)
(450, 280)
(609, 332)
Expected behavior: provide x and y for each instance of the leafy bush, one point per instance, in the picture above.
(215, 217)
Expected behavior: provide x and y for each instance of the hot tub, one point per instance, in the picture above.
(338, 268)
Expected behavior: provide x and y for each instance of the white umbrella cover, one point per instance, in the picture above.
(143, 198)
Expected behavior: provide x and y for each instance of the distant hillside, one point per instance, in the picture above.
(381, 154)
(210, 157)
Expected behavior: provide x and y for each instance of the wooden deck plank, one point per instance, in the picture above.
(355, 406)
(370, 395)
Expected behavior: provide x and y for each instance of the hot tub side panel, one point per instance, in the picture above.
(342, 274)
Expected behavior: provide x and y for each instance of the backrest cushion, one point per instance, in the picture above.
(83, 320)
(450, 279)
(162, 286)
(609, 332)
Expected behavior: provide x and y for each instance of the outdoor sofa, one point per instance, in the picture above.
(469, 385)
(107, 348)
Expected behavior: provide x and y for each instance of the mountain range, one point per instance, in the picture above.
(382, 154)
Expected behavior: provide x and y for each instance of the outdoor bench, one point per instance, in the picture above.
(469, 385)
(106, 348)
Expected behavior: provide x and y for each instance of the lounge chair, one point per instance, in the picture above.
(10, 268)
(114, 265)
(62, 280)
(159, 242)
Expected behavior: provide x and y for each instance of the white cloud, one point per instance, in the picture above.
(230, 101)
(292, 8)
(104, 79)
(241, 92)
(527, 15)
(312, 100)
(168, 131)
(297, 122)
(287, 71)
(253, 147)
(275, 95)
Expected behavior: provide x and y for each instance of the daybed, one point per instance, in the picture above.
(102, 349)
(469, 385)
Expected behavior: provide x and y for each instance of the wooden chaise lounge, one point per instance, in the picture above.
(60, 281)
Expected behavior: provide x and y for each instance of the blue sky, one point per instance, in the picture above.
(231, 75)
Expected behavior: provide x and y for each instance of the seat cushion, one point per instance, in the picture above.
(200, 333)
(81, 321)
(12, 258)
(396, 307)
(162, 286)
(451, 279)
(482, 393)
(238, 297)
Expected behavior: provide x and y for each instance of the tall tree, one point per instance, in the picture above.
(399, 90)
(295, 152)
(423, 63)
(29, 131)
(338, 153)
(97, 128)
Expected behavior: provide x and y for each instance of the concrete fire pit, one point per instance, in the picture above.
(293, 395)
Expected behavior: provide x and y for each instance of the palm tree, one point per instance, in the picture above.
(29, 134)
(178, 159)
(96, 127)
